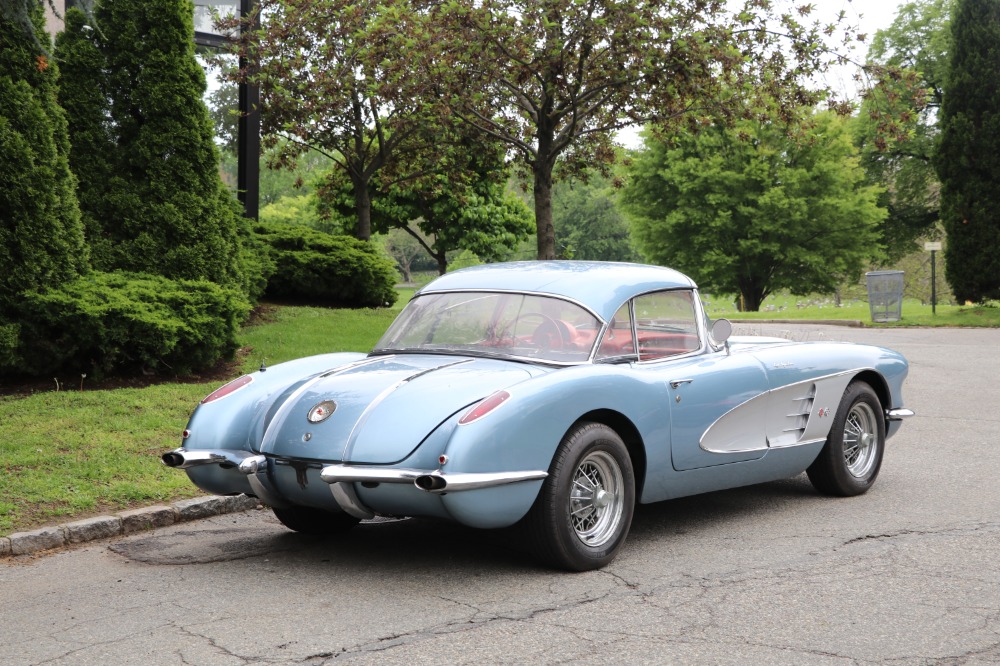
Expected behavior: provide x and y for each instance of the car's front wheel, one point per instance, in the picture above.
(850, 461)
(308, 520)
(584, 510)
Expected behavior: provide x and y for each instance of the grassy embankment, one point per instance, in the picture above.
(72, 453)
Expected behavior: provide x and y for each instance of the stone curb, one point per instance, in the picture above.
(853, 323)
(125, 523)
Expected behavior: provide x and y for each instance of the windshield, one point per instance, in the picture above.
(494, 324)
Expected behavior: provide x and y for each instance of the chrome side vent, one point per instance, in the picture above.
(798, 416)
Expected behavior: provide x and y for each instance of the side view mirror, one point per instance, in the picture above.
(721, 330)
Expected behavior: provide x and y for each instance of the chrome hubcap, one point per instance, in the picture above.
(860, 440)
(596, 500)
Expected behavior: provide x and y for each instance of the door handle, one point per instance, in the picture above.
(674, 383)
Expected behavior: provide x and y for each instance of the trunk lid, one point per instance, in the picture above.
(383, 408)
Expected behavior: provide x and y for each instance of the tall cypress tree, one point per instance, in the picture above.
(83, 93)
(968, 155)
(41, 236)
(166, 209)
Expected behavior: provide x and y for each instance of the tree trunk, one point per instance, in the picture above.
(404, 268)
(543, 210)
(751, 300)
(442, 260)
(363, 204)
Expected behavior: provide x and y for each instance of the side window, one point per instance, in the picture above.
(665, 324)
(617, 339)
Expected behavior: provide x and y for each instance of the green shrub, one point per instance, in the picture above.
(321, 269)
(10, 335)
(118, 323)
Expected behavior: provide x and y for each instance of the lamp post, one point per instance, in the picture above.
(933, 247)
(248, 129)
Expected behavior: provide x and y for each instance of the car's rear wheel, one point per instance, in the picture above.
(851, 459)
(584, 510)
(308, 520)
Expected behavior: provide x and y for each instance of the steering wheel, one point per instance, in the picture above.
(549, 334)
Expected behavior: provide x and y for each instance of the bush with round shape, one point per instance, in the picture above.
(322, 269)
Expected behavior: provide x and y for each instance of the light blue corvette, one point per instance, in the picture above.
(551, 394)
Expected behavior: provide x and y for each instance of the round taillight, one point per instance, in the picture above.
(484, 407)
(228, 389)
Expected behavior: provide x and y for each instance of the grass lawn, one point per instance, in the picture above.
(72, 453)
(913, 312)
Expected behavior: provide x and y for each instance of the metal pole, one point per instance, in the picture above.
(933, 284)
(248, 137)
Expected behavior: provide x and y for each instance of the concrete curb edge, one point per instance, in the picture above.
(121, 524)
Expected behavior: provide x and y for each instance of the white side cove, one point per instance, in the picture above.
(797, 414)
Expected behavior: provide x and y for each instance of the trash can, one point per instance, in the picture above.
(885, 295)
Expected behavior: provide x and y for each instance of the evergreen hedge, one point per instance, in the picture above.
(119, 323)
(322, 269)
(41, 236)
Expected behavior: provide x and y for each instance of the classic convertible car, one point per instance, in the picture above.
(553, 395)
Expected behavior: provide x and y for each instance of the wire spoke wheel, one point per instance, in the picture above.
(596, 499)
(860, 436)
(583, 511)
(850, 460)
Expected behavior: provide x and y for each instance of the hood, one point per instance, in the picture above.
(383, 408)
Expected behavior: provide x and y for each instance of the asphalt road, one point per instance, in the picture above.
(908, 574)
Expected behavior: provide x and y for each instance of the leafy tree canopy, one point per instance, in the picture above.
(919, 41)
(588, 222)
(749, 210)
(555, 79)
(328, 75)
(443, 213)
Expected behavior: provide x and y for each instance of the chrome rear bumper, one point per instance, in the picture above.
(342, 477)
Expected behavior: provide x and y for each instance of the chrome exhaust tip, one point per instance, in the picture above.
(432, 483)
(172, 459)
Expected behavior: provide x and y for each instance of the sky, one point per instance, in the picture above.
(870, 15)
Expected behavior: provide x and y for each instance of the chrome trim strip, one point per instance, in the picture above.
(794, 444)
(443, 482)
(471, 481)
(898, 414)
(361, 474)
(483, 290)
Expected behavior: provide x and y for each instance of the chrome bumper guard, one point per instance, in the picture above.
(433, 481)
(341, 477)
(898, 414)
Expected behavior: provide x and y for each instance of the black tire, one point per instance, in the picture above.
(850, 461)
(308, 520)
(570, 526)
